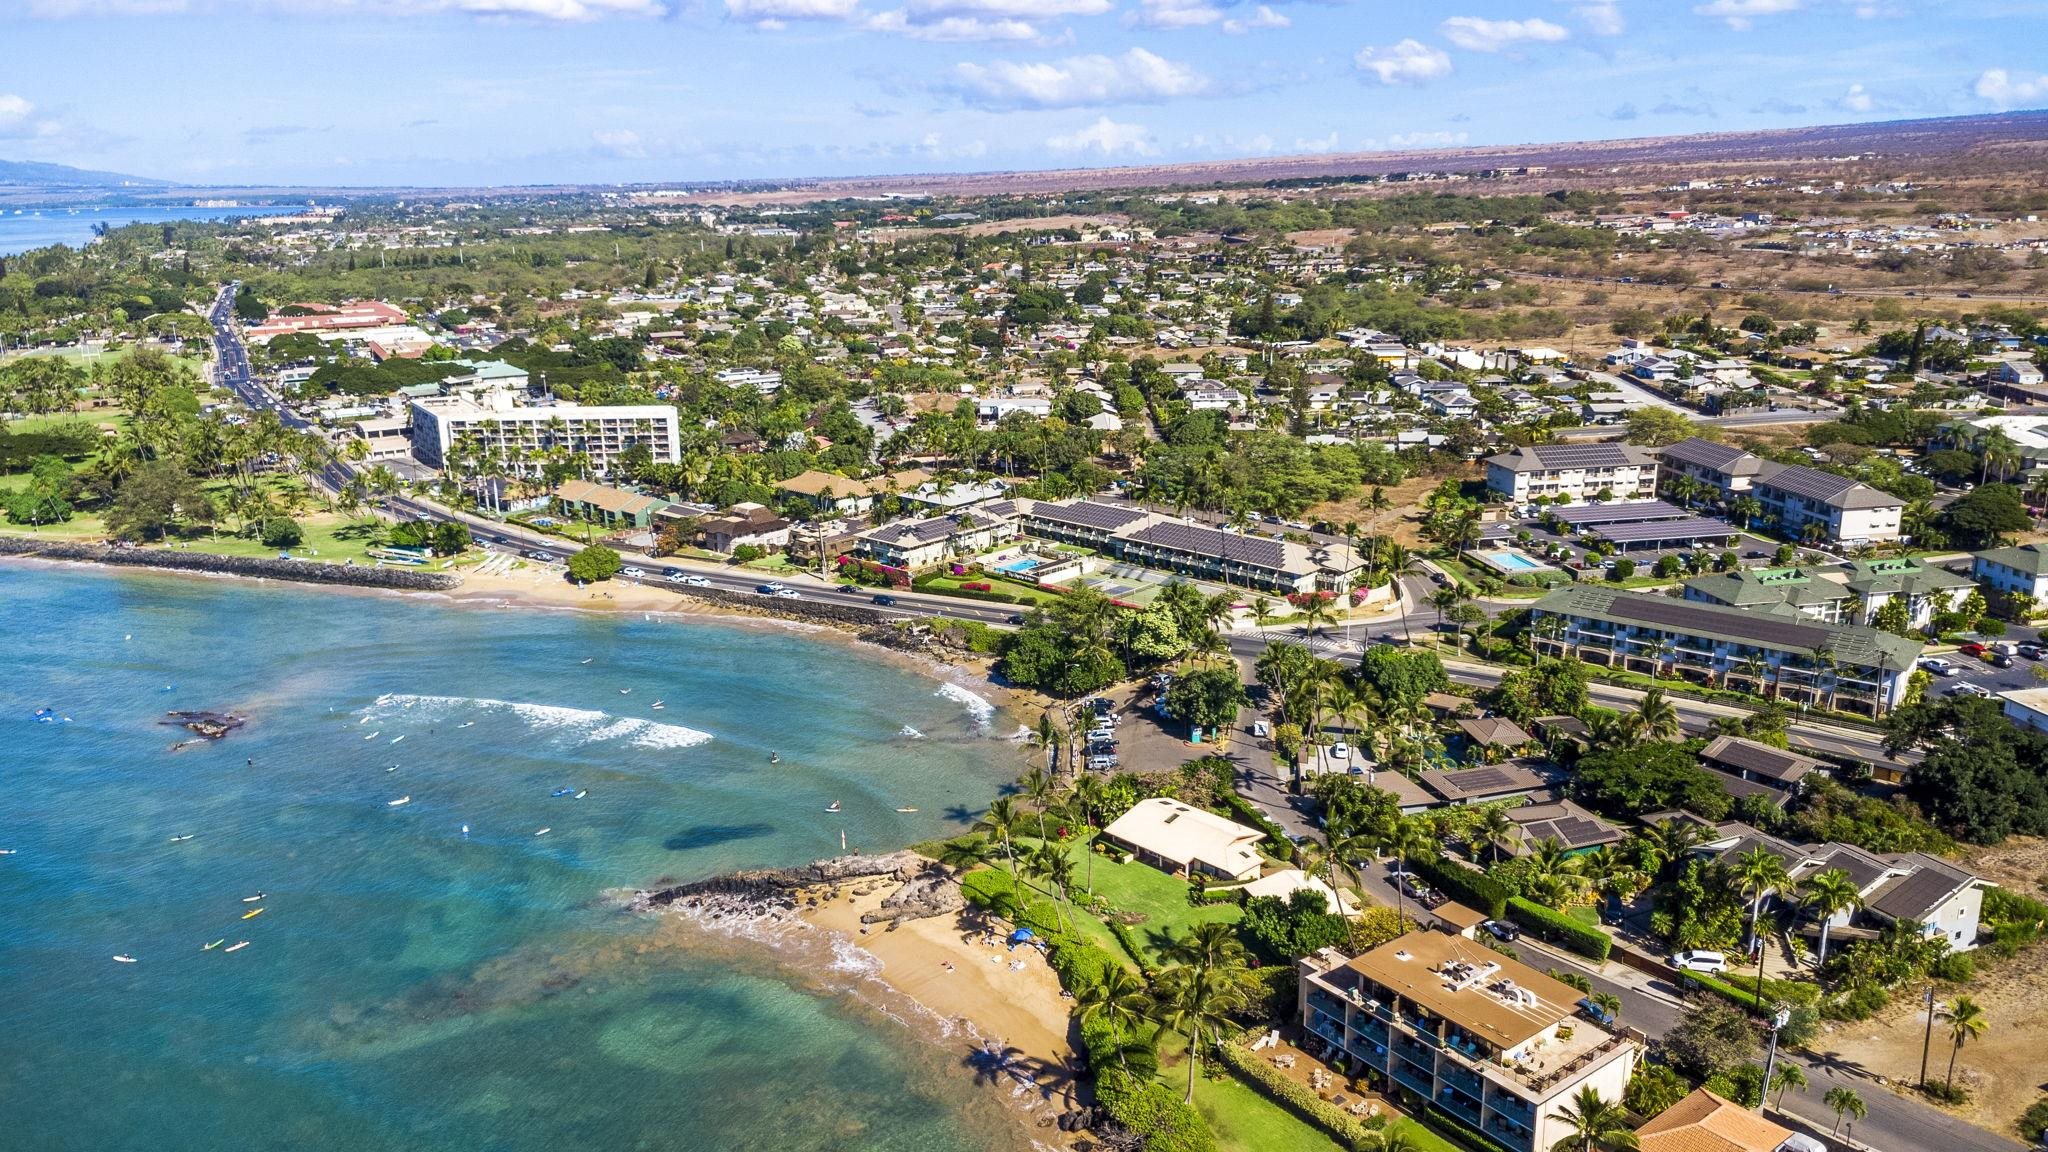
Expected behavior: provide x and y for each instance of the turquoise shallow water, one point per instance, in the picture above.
(408, 987)
(30, 228)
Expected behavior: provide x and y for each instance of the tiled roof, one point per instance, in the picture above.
(1704, 1122)
(611, 500)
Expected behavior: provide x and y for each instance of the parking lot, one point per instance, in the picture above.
(1970, 669)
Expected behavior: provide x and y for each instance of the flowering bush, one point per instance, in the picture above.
(978, 586)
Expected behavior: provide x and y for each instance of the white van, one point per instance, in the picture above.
(1699, 961)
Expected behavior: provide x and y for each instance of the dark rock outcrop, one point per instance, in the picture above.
(926, 888)
(211, 725)
(304, 571)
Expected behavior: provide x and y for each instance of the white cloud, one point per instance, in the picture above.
(14, 109)
(1137, 76)
(1856, 99)
(2011, 89)
(1262, 18)
(1403, 140)
(950, 29)
(1602, 19)
(1176, 13)
(622, 142)
(565, 10)
(1014, 9)
(1741, 14)
(1477, 34)
(1409, 62)
(774, 13)
(1106, 137)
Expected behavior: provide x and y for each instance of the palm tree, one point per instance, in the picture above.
(1119, 999)
(1496, 829)
(1406, 838)
(1786, 1075)
(1593, 1121)
(1966, 1022)
(1316, 616)
(1757, 874)
(1037, 785)
(1197, 1000)
(1828, 893)
(1656, 718)
(999, 822)
(1845, 1102)
(963, 855)
(1341, 856)
(1607, 1003)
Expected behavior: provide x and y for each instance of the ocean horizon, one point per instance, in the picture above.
(26, 227)
(452, 971)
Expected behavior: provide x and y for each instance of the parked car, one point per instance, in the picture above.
(1699, 960)
(1998, 660)
(697, 581)
(1935, 665)
(634, 572)
(1261, 729)
(884, 600)
(1968, 689)
(2005, 648)
(1596, 1013)
(1340, 751)
(2032, 651)
(1102, 763)
(1503, 930)
(1972, 649)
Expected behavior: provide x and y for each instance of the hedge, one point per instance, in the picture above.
(1138, 1102)
(936, 589)
(1558, 928)
(1248, 813)
(1741, 998)
(1298, 1099)
(1468, 886)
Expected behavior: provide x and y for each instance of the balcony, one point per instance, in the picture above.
(1408, 1076)
(1459, 1104)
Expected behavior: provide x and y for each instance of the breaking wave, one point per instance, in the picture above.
(909, 733)
(582, 725)
(983, 712)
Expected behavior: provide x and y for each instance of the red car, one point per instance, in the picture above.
(1972, 649)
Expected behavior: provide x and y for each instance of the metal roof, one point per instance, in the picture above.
(1255, 550)
(1688, 529)
(1625, 512)
(1759, 758)
(1708, 454)
(1088, 514)
(1549, 457)
(1853, 645)
(1825, 487)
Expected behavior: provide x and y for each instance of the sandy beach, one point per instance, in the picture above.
(960, 970)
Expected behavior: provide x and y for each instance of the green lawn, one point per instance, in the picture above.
(1245, 1119)
(1161, 899)
(946, 584)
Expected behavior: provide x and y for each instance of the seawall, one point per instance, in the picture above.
(304, 571)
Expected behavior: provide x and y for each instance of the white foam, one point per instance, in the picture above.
(910, 732)
(853, 959)
(583, 725)
(984, 713)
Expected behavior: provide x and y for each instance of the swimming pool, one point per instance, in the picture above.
(1510, 561)
(1019, 565)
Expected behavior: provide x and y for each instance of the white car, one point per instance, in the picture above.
(1261, 729)
(696, 581)
(1937, 666)
(787, 593)
(1699, 960)
(1340, 751)
(635, 573)
(1966, 689)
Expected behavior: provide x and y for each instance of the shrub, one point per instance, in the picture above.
(976, 586)
(1245, 812)
(1298, 1099)
(1475, 890)
(1740, 997)
(281, 532)
(594, 563)
(2033, 1123)
(1560, 929)
(748, 553)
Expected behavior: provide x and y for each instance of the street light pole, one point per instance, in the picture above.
(1783, 1016)
(1928, 1042)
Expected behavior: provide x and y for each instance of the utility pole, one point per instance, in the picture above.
(1784, 1015)
(1928, 1042)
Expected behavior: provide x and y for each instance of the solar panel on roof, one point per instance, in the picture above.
(1620, 513)
(1581, 455)
(1689, 617)
(1706, 452)
(1477, 779)
(1809, 483)
(1690, 528)
(1257, 550)
(1089, 514)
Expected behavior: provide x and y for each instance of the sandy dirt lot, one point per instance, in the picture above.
(2005, 1069)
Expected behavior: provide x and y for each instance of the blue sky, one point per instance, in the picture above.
(536, 91)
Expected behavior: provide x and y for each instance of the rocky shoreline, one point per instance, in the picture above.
(302, 571)
(926, 889)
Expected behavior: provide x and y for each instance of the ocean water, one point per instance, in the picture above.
(24, 229)
(408, 986)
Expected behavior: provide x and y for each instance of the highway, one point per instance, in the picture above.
(232, 372)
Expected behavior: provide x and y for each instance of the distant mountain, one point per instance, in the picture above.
(31, 174)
